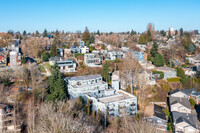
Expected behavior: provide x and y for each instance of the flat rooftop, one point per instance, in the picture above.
(120, 95)
(165, 69)
(86, 77)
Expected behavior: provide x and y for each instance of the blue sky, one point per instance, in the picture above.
(105, 15)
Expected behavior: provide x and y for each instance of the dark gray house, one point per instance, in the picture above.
(185, 122)
(156, 116)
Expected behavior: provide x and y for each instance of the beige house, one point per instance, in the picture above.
(179, 104)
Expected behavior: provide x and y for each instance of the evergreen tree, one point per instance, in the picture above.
(169, 34)
(37, 33)
(45, 56)
(98, 33)
(149, 33)
(86, 36)
(53, 50)
(105, 72)
(181, 32)
(45, 33)
(23, 59)
(132, 32)
(180, 72)
(163, 33)
(158, 60)
(154, 50)
(92, 39)
(24, 33)
(141, 39)
(56, 87)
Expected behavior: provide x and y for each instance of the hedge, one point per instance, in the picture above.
(173, 79)
(77, 54)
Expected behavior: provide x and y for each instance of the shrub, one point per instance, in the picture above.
(77, 54)
(45, 56)
(158, 60)
(173, 79)
(42, 69)
(159, 72)
(180, 72)
(193, 102)
(165, 87)
(186, 82)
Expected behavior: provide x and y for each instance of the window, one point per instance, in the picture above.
(159, 121)
(63, 67)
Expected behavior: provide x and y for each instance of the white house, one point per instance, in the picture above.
(189, 72)
(179, 104)
(92, 84)
(117, 103)
(84, 49)
(146, 77)
(67, 65)
(168, 72)
(92, 60)
(141, 47)
(53, 60)
(114, 54)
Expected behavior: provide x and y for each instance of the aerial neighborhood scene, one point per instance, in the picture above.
(100, 66)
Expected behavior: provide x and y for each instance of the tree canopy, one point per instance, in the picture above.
(86, 36)
(56, 89)
(154, 50)
(45, 33)
(105, 72)
(158, 60)
(45, 56)
(180, 72)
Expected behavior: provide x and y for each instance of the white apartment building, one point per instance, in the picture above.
(15, 58)
(6, 118)
(81, 85)
(116, 103)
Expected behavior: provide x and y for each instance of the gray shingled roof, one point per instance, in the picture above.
(183, 101)
(190, 91)
(184, 117)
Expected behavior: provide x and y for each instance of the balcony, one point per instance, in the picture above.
(111, 110)
(133, 104)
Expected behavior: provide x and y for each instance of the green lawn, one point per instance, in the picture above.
(42, 69)
(48, 65)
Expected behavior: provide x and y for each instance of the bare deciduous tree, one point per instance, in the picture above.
(59, 117)
(31, 46)
(129, 69)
